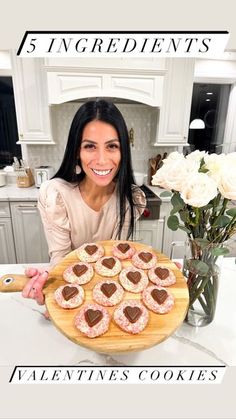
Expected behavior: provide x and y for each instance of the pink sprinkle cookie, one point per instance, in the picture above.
(131, 316)
(144, 260)
(158, 299)
(133, 279)
(80, 273)
(162, 276)
(123, 250)
(69, 296)
(93, 320)
(108, 293)
(108, 266)
(90, 252)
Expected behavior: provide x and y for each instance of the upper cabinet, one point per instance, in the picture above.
(64, 87)
(137, 80)
(164, 84)
(30, 93)
(173, 119)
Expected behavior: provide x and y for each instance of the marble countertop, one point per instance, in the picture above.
(13, 193)
(27, 338)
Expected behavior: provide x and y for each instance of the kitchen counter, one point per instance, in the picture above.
(13, 193)
(28, 338)
(157, 190)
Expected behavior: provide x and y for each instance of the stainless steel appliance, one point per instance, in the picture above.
(152, 210)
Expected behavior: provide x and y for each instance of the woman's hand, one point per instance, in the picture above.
(34, 286)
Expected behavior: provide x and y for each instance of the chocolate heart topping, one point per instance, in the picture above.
(134, 277)
(162, 273)
(108, 289)
(79, 269)
(123, 247)
(69, 292)
(132, 313)
(93, 317)
(145, 256)
(91, 249)
(109, 263)
(159, 295)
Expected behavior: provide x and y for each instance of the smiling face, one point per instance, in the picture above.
(100, 153)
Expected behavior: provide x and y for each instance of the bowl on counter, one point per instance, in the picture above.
(140, 178)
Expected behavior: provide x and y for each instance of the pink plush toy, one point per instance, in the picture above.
(34, 286)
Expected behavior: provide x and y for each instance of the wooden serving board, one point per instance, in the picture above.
(159, 327)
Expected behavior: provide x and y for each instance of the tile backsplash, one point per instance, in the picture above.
(137, 116)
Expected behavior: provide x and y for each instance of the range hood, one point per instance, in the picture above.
(117, 100)
(67, 86)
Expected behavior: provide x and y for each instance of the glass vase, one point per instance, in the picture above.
(202, 270)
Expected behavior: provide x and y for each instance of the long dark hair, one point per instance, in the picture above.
(107, 112)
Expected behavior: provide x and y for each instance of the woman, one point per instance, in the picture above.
(92, 196)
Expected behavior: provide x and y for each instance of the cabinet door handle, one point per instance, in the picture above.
(27, 206)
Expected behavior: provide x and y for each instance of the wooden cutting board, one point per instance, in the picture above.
(159, 327)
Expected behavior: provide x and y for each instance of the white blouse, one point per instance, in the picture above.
(69, 222)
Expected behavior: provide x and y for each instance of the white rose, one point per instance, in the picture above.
(173, 173)
(227, 179)
(198, 190)
(214, 163)
(175, 155)
(196, 156)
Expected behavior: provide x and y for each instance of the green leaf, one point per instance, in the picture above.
(218, 251)
(223, 221)
(184, 229)
(203, 243)
(206, 207)
(198, 267)
(177, 201)
(173, 222)
(184, 215)
(165, 194)
(203, 170)
(231, 212)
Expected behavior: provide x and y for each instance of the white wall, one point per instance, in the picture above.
(137, 116)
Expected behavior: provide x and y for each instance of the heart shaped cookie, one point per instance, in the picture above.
(123, 247)
(91, 249)
(109, 263)
(132, 313)
(69, 292)
(134, 277)
(159, 295)
(93, 317)
(79, 269)
(145, 256)
(162, 273)
(108, 289)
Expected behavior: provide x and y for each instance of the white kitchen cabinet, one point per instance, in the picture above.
(173, 241)
(30, 242)
(66, 86)
(30, 93)
(150, 232)
(7, 246)
(173, 119)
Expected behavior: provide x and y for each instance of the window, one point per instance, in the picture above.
(210, 104)
(8, 124)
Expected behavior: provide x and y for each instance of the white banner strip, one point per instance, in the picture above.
(118, 375)
(123, 44)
